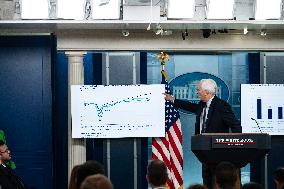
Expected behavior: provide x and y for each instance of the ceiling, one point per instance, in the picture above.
(54, 25)
(243, 13)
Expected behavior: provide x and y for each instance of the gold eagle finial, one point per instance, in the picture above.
(163, 57)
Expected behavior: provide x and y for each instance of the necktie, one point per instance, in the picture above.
(204, 119)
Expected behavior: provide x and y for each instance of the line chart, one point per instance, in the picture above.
(106, 107)
(117, 111)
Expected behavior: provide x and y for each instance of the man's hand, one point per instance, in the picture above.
(169, 97)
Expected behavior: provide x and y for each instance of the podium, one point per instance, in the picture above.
(237, 148)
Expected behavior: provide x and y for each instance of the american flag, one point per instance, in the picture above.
(169, 148)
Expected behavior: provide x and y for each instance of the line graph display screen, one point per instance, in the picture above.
(117, 111)
(262, 108)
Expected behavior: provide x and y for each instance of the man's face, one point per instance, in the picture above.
(202, 93)
(5, 153)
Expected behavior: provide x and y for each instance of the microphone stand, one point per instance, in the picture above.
(256, 124)
(265, 158)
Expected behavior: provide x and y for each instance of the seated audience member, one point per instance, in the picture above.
(73, 177)
(252, 185)
(9, 163)
(278, 175)
(226, 176)
(97, 181)
(8, 179)
(197, 186)
(88, 168)
(157, 174)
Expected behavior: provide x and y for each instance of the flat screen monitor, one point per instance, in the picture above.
(262, 108)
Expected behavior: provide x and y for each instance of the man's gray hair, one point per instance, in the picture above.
(208, 85)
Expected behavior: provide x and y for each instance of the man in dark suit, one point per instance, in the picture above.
(8, 179)
(213, 115)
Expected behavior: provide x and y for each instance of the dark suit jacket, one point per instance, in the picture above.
(220, 117)
(8, 180)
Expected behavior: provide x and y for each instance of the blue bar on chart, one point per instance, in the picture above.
(269, 113)
(280, 112)
(258, 106)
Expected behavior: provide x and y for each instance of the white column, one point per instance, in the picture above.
(76, 147)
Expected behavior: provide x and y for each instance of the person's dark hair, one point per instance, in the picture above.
(252, 185)
(97, 181)
(226, 174)
(2, 142)
(88, 168)
(278, 174)
(157, 173)
(197, 186)
(73, 177)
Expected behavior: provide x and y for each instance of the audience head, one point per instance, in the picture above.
(278, 175)
(197, 186)
(73, 177)
(226, 175)
(88, 168)
(4, 152)
(97, 181)
(252, 185)
(157, 173)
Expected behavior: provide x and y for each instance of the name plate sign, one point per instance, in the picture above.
(232, 141)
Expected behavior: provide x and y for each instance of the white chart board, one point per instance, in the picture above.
(262, 108)
(117, 111)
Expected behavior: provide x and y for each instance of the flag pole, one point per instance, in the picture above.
(162, 146)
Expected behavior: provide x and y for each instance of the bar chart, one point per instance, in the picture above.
(262, 108)
(269, 110)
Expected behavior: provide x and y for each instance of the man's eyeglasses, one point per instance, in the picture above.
(6, 151)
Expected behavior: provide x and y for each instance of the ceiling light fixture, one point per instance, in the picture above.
(125, 33)
(206, 33)
(149, 27)
(245, 30)
(263, 33)
(184, 34)
(159, 29)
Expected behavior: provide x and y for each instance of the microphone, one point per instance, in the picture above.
(256, 124)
